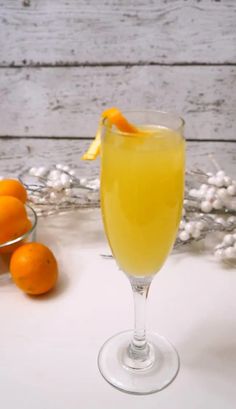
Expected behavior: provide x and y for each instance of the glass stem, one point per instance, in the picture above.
(138, 348)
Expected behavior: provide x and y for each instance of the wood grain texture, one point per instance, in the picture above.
(19, 154)
(67, 101)
(71, 32)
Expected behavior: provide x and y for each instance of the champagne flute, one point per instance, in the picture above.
(142, 188)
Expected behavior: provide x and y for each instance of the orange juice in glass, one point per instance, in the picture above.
(141, 196)
(142, 187)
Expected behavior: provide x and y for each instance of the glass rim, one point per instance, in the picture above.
(152, 111)
(25, 235)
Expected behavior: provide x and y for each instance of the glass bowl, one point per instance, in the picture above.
(29, 236)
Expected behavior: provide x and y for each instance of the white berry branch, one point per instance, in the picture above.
(209, 204)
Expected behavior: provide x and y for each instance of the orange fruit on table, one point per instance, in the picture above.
(13, 187)
(13, 218)
(34, 268)
(11, 247)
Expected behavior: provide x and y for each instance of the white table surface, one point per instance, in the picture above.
(49, 345)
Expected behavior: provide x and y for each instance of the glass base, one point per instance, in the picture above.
(113, 363)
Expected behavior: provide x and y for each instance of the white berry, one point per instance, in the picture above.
(59, 166)
(219, 181)
(65, 180)
(94, 184)
(222, 193)
(231, 219)
(33, 171)
(203, 188)
(230, 252)
(228, 239)
(189, 227)
(83, 181)
(184, 236)
(220, 220)
(212, 190)
(227, 181)
(211, 180)
(33, 198)
(196, 234)
(53, 196)
(68, 192)
(219, 254)
(210, 195)
(58, 185)
(200, 225)
(231, 189)
(182, 224)
(54, 174)
(206, 206)
(194, 193)
(220, 173)
(42, 171)
(217, 204)
(66, 168)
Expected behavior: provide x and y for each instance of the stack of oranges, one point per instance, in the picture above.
(33, 266)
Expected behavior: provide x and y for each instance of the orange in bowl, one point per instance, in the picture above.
(13, 218)
(34, 268)
(13, 187)
(16, 221)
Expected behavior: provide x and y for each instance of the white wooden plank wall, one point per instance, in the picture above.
(66, 101)
(62, 62)
(79, 32)
(19, 154)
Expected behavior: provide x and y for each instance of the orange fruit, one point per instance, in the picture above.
(13, 218)
(9, 249)
(34, 268)
(12, 187)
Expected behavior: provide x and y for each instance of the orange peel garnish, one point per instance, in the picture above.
(94, 148)
(113, 117)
